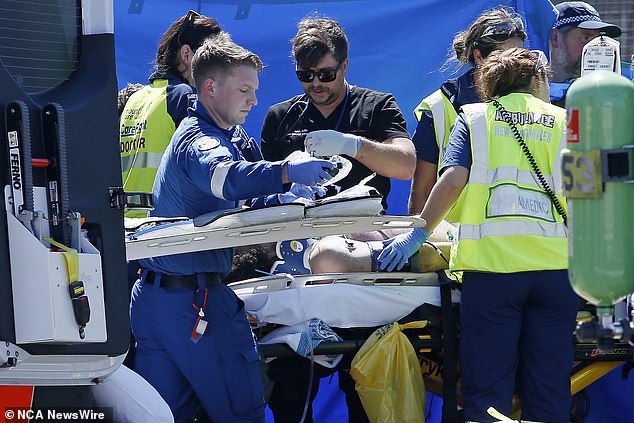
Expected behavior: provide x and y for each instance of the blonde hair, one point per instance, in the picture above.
(218, 55)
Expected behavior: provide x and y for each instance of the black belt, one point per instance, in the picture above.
(182, 281)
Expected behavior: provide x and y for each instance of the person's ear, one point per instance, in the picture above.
(344, 67)
(477, 56)
(185, 55)
(209, 87)
(554, 38)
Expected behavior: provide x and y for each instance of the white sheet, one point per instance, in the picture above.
(340, 305)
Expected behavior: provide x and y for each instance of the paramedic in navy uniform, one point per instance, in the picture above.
(194, 343)
(333, 117)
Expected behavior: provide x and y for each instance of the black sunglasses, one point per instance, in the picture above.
(187, 24)
(323, 75)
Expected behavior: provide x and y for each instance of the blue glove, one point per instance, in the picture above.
(400, 248)
(319, 192)
(302, 191)
(296, 191)
(308, 170)
(305, 191)
(286, 197)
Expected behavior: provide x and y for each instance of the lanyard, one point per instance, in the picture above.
(200, 326)
(306, 103)
(343, 109)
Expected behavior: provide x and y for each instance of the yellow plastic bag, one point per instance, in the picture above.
(388, 377)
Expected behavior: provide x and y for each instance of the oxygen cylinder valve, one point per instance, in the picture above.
(604, 335)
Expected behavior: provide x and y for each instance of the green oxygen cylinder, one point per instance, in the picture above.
(597, 172)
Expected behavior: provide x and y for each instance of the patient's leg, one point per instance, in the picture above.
(335, 254)
(428, 258)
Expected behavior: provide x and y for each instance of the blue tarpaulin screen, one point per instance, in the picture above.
(396, 46)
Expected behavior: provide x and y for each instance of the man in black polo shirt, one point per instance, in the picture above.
(332, 117)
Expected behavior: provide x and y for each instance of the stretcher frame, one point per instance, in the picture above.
(247, 227)
(284, 222)
(441, 376)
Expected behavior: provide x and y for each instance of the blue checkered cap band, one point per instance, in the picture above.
(574, 19)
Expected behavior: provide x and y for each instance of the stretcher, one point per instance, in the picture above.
(238, 227)
(285, 300)
(362, 300)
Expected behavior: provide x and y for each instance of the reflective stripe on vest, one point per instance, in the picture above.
(145, 132)
(477, 232)
(509, 224)
(141, 160)
(444, 116)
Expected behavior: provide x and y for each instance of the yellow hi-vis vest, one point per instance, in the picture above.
(145, 132)
(443, 114)
(507, 223)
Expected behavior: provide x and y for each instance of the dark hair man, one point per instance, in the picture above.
(333, 117)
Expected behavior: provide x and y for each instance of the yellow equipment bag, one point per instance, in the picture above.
(388, 376)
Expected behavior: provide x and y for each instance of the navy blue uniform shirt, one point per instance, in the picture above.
(203, 171)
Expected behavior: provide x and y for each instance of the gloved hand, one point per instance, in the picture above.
(308, 170)
(398, 249)
(327, 142)
(306, 191)
(319, 191)
(286, 197)
(298, 191)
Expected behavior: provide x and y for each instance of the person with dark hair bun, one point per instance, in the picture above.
(518, 309)
(496, 29)
(152, 114)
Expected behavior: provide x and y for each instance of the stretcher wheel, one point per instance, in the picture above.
(580, 407)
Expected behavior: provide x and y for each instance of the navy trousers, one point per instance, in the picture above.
(517, 331)
(220, 371)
